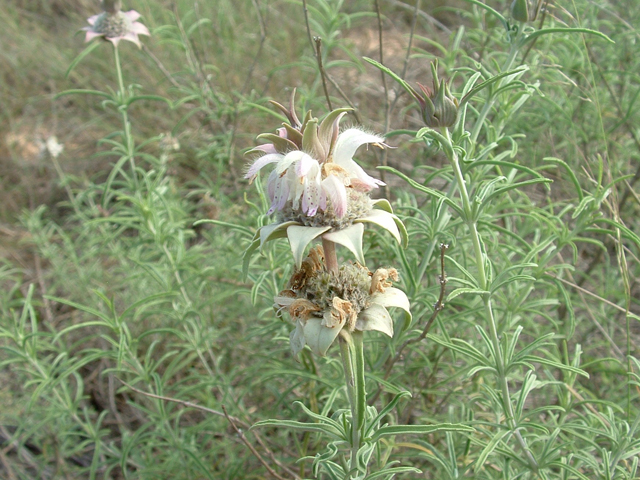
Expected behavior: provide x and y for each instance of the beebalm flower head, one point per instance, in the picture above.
(314, 166)
(315, 187)
(115, 25)
(324, 303)
(439, 108)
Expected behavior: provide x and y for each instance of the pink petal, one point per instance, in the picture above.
(140, 29)
(311, 198)
(91, 35)
(132, 37)
(364, 180)
(92, 20)
(266, 148)
(305, 164)
(349, 141)
(334, 188)
(271, 184)
(261, 162)
(288, 159)
(114, 40)
(132, 15)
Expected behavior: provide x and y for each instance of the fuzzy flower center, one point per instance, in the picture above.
(351, 284)
(359, 205)
(112, 25)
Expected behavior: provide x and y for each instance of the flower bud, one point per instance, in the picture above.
(439, 107)
(111, 6)
(525, 10)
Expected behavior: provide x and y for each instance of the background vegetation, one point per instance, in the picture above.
(112, 297)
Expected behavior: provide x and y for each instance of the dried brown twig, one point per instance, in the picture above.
(437, 308)
(244, 440)
(234, 422)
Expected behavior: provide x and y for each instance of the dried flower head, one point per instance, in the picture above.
(322, 303)
(115, 25)
(315, 187)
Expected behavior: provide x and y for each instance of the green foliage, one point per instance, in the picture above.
(135, 341)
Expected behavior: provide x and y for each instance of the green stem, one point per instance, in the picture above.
(443, 218)
(128, 139)
(361, 395)
(477, 126)
(352, 353)
(471, 222)
(347, 354)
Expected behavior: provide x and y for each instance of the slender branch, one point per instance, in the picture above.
(437, 308)
(184, 403)
(251, 447)
(584, 290)
(305, 10)
(426, 16)
(230, 418)
(128, 139)
(345, 98)
(472, 225)
(387, 104)
(160, 66)
(323, 74)
(247, 82)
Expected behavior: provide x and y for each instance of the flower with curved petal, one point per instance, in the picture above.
(316, 188)
(323, 303)
(116, 25)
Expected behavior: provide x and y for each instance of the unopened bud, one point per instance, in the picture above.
(111, 6)
(439, 107)
(521, 11)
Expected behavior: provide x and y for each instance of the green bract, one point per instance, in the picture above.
(300, 236)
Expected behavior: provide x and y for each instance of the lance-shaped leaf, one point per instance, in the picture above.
(351, 238)
(376, 317)
(319, 337)
(394, 297)
(299, 237)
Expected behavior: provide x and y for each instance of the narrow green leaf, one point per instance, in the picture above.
(96, 93)
(429, 191)
(492, 11)
(490, 447)
(464, 290)
(545, 31)
(419, 430)
(301, 426)
(74, 63)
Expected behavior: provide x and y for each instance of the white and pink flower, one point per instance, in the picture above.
(116, 26)
(316, 188)
(310, 184)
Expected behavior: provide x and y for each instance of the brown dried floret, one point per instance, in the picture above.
(302, 309)
(313, 263)
(342, 312)
(380, 279)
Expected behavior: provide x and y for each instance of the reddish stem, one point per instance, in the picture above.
(330, 256)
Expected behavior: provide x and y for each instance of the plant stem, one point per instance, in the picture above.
(444, 217)
(128, 139)
(346, 351)
(352, 353)
(477, 126)
(472, 224)
(330, 257)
